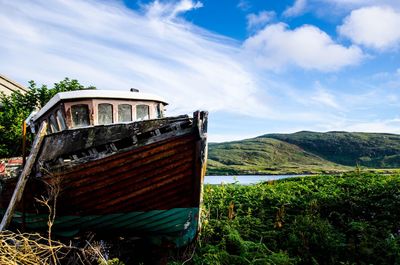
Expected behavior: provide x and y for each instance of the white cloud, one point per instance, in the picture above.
(335, 10)
(350, 4)
(393, 99)
(229, 137)
(378, 126)
(111, 47)
(308, 47)
(244, 5)
(387, 80)
(256, 21)
(376, 27)
(297, 9)
(324, 97)
(170, 10)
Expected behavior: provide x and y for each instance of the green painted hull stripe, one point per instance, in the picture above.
(167, 219)
(178, 225)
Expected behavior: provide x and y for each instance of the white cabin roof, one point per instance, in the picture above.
(94, 93)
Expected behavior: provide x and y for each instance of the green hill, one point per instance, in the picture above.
(377, 150)
(265, 156)
(304, 152)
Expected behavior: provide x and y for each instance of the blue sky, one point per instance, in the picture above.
(257, 66)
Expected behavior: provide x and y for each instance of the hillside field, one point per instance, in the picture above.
(305, 153)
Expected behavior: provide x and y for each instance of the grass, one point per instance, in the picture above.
(350, 218)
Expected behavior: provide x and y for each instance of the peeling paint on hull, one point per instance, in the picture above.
(178, 226)
(152, 188)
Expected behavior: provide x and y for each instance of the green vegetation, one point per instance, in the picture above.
(17, 107)
(305, 152)
(376, 150)
(345, 219)
(265, 156)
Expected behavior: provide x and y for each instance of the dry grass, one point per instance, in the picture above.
(34, 249)
(24, 248)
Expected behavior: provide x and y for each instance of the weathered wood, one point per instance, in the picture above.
(69, 142)
(19, 189)
(58, 165)
(155, 167)
(23, 143)
(201, 149)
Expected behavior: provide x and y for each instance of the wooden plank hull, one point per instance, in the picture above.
(146, 188)
(177, 226)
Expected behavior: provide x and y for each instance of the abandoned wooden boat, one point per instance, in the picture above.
(115, 165)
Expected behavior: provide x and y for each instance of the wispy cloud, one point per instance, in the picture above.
(170, 10)
(155, 49)
(335, 10)
(244, 5)
(352, 4)
(259, 20)
(379, 126)
(112, 47)
(298, 8)
(388, 81)
(324, 97)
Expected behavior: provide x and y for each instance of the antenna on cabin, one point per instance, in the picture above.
(134, 90)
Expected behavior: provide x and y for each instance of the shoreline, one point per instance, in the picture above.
(308, 173)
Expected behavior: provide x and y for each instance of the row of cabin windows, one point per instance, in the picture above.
(80, 114)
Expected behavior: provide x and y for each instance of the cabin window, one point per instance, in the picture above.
(80, 115)
(61, 121)
(124, 112)
(158, 111)
(142, 112)
(53, 124)
(105, 113)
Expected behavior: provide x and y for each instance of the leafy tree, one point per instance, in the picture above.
(16, 107)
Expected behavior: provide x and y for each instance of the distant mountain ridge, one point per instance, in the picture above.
(305, 152)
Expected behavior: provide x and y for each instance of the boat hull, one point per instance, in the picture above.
(177, 226)
(151, 187)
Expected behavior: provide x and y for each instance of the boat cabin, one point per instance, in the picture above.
(82, 108)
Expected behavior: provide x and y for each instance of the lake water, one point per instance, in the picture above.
(245, 179)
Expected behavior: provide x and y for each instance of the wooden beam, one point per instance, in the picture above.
(19, 189)
(23, 143)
